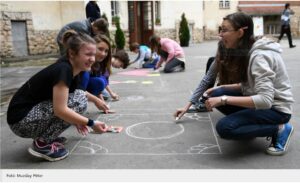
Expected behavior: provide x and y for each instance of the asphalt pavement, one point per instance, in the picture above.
(150, 138)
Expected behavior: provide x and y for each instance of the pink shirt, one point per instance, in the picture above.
(172, 47)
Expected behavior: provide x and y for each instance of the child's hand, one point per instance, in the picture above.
(115, 96)
(82, 129)
(179, 113)
(101, 105)
(100, 127)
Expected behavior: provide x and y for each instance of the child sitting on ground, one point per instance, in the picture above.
(144, 59)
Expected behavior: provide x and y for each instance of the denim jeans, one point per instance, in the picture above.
(94, 85)
(245, 123)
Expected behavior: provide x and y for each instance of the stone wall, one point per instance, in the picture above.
(38, 41)
(197, 36)
(169, 33)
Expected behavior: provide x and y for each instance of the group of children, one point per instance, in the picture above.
(57, 96)
(253, 89)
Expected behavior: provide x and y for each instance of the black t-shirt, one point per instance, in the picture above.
(40, 88)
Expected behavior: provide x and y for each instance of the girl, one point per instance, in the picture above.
(259, 106)
(50, 101)
(97, 79)
(170, 52)
(145, 58)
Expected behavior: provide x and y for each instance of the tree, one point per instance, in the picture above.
(184, 33)
(119, 36)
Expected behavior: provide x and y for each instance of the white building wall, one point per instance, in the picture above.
(105, 7)
(48, 15)
(213, 16)
(171, 12)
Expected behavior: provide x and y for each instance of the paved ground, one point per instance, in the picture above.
(150, 138)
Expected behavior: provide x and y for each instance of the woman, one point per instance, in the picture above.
(99, 26)
(170, 52)
(97, 79)
(51, 101)
(227, 75)
(259, 106)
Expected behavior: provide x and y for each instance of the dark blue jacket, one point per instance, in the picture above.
(92, 11)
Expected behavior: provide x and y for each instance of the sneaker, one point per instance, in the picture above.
(192, 109)
(61, 140)
(293, 46)
(280, 145)
(198, 107)
(51, 152)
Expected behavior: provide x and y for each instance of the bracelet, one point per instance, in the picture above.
(90, 123)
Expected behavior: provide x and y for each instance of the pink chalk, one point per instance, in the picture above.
(137, 72)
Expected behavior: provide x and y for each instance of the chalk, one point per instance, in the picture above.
(147, 82)
(177, 119)
(153, 75)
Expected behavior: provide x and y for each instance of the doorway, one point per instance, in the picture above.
(141, 23)
(19, 38)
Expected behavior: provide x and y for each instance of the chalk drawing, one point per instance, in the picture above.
(130, 81)
(135, 98)
(130, 130)
(86, 147)
(109, 117)
(114, 82)
(197, 117)
(147, 82)
(200, 148)
(138, 72)
(153, 75)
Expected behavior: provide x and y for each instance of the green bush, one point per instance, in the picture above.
(184, 33)
(119, 36)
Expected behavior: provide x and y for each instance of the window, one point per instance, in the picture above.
(157, 13)
(115, 6)
(224, 4)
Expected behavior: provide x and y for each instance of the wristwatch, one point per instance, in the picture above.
(224, 99)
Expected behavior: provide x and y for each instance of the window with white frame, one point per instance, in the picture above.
(224, 4)
(115, 8)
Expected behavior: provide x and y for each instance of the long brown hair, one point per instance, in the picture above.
(99, 68)
(155, 44)
(232, 64)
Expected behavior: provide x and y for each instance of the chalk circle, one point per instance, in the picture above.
(154, 130)
(135, 98)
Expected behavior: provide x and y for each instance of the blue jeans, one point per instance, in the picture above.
(94, 85)
(244, 123)
(151, 64)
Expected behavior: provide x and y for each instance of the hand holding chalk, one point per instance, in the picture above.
(178, 114)
(100, 127)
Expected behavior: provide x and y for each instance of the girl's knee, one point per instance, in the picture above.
(78, 101)
(223, 129)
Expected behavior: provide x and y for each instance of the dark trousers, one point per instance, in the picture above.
(286, 29)
(243, 123)
(172, 64)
